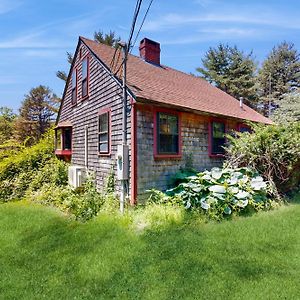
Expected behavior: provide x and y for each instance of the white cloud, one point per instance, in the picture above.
(7, 6)
(241, 17)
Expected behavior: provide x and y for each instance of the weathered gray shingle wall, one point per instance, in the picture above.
(104, 92)
(156, 173)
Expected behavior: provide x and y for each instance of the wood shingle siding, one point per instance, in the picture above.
(104, 92)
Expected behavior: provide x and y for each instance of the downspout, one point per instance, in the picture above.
(124, 182)
(133, 175)
(86, 155)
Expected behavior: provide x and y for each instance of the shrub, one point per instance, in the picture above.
(219, 192)
(273, 151)
(18, 170)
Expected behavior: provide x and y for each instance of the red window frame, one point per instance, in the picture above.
(210, 137)
(87, 78)
(242, 125)
(74, 102)
(156, 154)
(100, 113)
(63, 151)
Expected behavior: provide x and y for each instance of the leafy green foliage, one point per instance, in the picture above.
(109, 39)
(231, 70)
(273, 151)
(36, 113)
(17, 171)
(7, 118)
(288, 109)
(223, 191)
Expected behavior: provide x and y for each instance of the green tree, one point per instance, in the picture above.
(288, 109)
(37, 113)
(231, 70)
(109, 39)
(7, 118)
(279, 75)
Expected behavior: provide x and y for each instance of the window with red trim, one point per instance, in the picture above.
(217, 138)
(84, 80)
(74, 87)
(167, 133)
(104, 133)
(244, 128)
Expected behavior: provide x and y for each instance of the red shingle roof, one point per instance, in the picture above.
(168, 86)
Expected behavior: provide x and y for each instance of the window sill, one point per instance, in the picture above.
(167, 156)
(63, 152)
(104, 154)
(85, 98)
(217, 155)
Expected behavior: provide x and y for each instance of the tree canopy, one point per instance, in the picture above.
(279, 75)
(37, 113)
(231, 70)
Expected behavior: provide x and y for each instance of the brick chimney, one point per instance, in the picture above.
(150, 51)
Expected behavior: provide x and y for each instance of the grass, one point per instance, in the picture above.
(44, 255)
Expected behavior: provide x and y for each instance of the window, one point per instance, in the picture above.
(167, 133)
(84, 82)
(217, 138)
(63, 142)
(74, 87)
(244, 128)
(104, 133)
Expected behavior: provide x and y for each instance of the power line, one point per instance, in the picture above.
(136, 12)
(136, 37)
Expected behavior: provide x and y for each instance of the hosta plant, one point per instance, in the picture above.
(224, 191)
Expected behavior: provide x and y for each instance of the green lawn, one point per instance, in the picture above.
(44, 255)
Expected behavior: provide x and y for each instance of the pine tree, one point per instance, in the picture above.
(279, 75)
(37, 113)
(231, 70)
(288, 108)
(109, 39)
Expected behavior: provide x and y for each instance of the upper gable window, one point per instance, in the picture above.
(74, 86)
(85, 77)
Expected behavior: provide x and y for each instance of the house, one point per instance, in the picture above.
(171, 117)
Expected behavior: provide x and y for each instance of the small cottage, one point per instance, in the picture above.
(171, 118)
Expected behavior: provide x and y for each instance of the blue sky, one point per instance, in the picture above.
(35, 35)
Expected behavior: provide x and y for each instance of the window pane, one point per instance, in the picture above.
(245, 129)
(218, 130)
(217, 146)
(218, 138)
(74, 79)
(67, 139)
(59, 139)
(168, 144)
(103, 147)
(103, 137)
(173, 123)
(74, 98)
(84, 88)
(103, 122)
(84, 68)
(168, 140)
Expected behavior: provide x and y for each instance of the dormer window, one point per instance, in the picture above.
(84, 80)
(74, 87)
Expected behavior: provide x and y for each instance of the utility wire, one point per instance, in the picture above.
(136, 37)
(136, 12)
